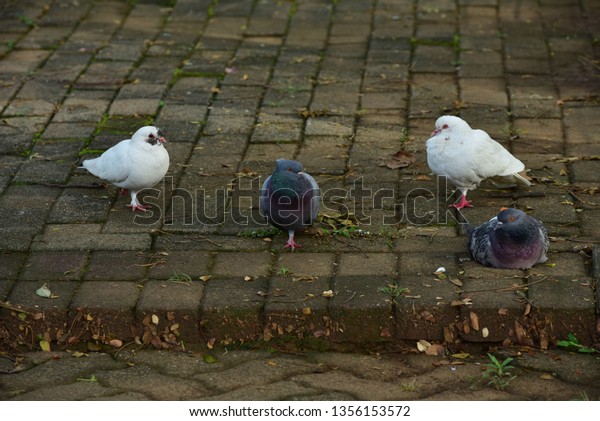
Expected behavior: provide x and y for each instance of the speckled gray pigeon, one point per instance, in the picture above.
(133, 164)
(468, 156)
(290, 199)
(512, 239)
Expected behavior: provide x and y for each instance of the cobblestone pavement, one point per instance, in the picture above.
(340, 86)
(253, 375)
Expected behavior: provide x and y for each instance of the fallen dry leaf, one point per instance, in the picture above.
(209, 359)
(502, 311)
(456, 282)
(448, 335)
(204, 278)
(474, 320)
(385, 333)
(400, 159)
(544, 339)
(45, 345)
(423, 345)
(117, 343)
(520, 333)
(211, 343)
(436, 349)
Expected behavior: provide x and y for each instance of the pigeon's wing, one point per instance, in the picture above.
(545, 240)
(113, 165)
(480, 243)
(454, 160)
(264, 197)
(491, 158)
(315, 200)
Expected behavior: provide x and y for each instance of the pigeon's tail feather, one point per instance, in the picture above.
(512, 180)
(522, 180)
(88, 164)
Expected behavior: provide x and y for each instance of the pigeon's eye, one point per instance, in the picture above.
(445, 126)
(511, 219)
(151, 136)
(289, 168)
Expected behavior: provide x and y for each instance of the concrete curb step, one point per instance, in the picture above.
(487, 307)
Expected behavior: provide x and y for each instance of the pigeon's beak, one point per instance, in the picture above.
(162, 140)
(435, 132)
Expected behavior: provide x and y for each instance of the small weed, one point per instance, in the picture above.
(91, 379)
(509, 131)
(27, 21)
(409, 387)
(455, 43)
(573, 344)
(181, 278)
(25, 153)
(389, 234)
(349, 231)
(404, 138)
(179, 73)
(497, 372)
(86, 151)
(394, 291)
(260, 233)
(582, 397)
(283, 271)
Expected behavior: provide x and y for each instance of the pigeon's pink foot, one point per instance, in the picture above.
(463, 203)
(142, 208)
(291, 244)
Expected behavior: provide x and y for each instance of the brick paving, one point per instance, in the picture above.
(338, 85)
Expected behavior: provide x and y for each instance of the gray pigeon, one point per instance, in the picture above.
(133, 164)
(290, 199)
(512, 239)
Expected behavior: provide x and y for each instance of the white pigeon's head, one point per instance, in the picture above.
(149, 134)
(450, 123)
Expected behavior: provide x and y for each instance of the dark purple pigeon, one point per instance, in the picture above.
(290, 199)
(512, 239)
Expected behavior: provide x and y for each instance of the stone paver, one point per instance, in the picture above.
(338, 85)
(236, 375)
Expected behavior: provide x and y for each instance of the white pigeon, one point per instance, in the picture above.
(466, 157)
(133, 164)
